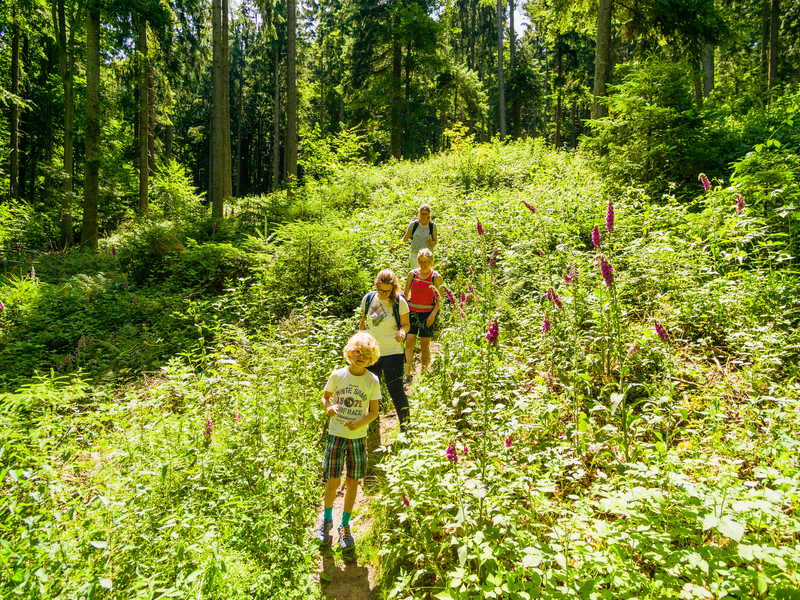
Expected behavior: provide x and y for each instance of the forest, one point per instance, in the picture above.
(196, 195)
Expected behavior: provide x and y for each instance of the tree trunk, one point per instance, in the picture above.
(168, 133)
(473, 9)
(291, 94)
(151, 121)
(321, 82)
(144, 111)
(91, 187)
(239, 143)
(560, 85)
(516, 118)
(397, 98)
(276, 143)
(14, 117)
(765, 19)
(24, 134)
(512, 47)
(774, 25)
(573, 142)
(216, 183)
(227, 180)
(484, 132)
(500, 84)
(66, 53)
(707, 58)
(602, 57)
(48, 125)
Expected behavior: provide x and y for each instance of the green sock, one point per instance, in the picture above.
(328, 514)
(345, 519)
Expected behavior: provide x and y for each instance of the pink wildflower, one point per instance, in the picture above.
(596, 238)
(450, 297)
(739, 203)
(209, 431)
(553, 297)
(480, 227)
(608, 271)
(706, 183)
(452, 454)
(529, 207)
(546, 325)
(610, 217)
(633, 349)
(2, 305)
(662, 333)
(493, 333)
(508, 442)
(406, 503)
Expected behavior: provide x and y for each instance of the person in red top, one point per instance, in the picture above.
(422, 287)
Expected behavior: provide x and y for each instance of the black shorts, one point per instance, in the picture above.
(418, 326)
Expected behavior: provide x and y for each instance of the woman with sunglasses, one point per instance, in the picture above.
(422, 232)
(384, 312)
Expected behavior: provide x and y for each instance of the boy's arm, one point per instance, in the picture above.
(371, 416)
(330, 409)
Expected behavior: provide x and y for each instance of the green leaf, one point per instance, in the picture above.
(731, 528)
(445, 595)
(105, 582)
(99, 544)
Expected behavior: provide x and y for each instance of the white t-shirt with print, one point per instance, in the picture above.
(381, 324)
(352, 394)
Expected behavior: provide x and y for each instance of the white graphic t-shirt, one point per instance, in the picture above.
(382, 325)
(352, 394)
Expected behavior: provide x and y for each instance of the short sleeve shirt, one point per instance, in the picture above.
(382, 325)
(419, 239)
(352, 394)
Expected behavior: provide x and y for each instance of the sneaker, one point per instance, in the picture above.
(346, 539)
(324, 533)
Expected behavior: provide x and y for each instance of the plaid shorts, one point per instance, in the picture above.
(341, 451)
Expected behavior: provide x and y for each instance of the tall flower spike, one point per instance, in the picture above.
(529, 207)
(480, 227)
(450, 297)
(406, 503)
(568, 278)
(662, 333)
(596, 238)
(463, 299)
(2, 305)
(546, 325)
(610, 217)
(739, 203)
(452, 453)
(607, 270)
(494, 255)
(704, 180)
(493, 334)
(554, 298)
(113, 251)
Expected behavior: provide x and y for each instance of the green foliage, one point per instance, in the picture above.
(653, 134)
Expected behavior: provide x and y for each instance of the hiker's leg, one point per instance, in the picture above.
(393, 374)
(425, 352)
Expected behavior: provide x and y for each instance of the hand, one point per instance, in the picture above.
(430, 241)
(353, 425)
(334, 408)
(400, 336)
(430, 320)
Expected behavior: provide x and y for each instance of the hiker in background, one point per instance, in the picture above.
(384, 312)
(351, 400)
(422, 290)
(422, 232)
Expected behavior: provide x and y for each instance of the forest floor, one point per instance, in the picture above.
(352, 575)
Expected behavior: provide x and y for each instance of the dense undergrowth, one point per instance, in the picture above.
(162, 434)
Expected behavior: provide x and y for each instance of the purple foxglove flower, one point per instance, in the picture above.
(568, 278)
(226, 212)
(529, 207)
(596, 238)
(607, 270)
(209, 431)
(464, 451)
(469, 270)
(739, 203)
(493, 333)
(555, 299)
(2, 305)
(470, 290)
(231, 211)
(546, 325)
(633, 349)
(508, 442)
(610, 217)
(479, 227)
(113, 251)
(706, 183)
(547, 377)
(406, 503)
(494, 255)
(126, 284)
(214, 226)
(662, 333)
(450, 297)
(91, 340)
(134, 300)
(463, 299)
(452, 454)
(33, 272)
